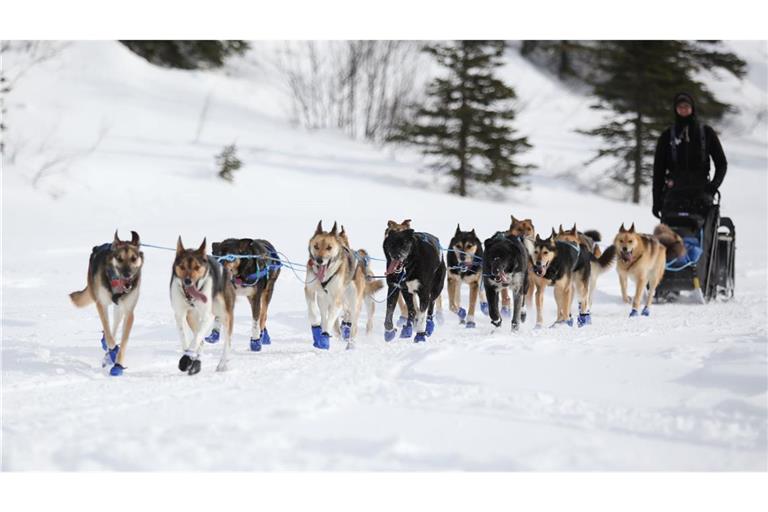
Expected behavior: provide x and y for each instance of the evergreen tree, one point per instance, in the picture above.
(635, 81)
(568, 59)
(227, 161)
(466, 123)
(187, 54)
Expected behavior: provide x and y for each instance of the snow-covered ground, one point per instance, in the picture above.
(682, 390)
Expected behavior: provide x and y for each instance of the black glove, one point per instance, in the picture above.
(656, 211)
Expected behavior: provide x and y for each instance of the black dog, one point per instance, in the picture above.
(253, 276)
(465, 265)
(505, 265)
(415, 266)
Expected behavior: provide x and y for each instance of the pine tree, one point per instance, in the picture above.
(193, 54)
(636, 81)
(466, 125)
(227, 162)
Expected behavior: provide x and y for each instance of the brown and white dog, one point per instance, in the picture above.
(336, 286)
(642, 257)
(201, 293)
(254, 267)
(114, 278)
(527, 233)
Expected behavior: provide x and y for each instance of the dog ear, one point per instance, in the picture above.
(201, 249)
(632, 228)
(343, 232)
(215, 249)
(553, 235)
(573, 229)
(319, 228)
(538, 238)
(559, 230)
(514, 220)
(115, 241)
(473, 233)
(458, 228)
(621, 229)
(333, 230)
(179, 246)
(391, 224)
(134, 238)
(407, 223)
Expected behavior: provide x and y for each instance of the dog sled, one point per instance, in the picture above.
(708, 265)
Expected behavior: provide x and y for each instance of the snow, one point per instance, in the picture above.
(682, 390)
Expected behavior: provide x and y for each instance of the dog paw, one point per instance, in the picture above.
(194, 367)
(104, 342)
(256, 344)
(523, 315)
(430, 326)
(515, 326)
(213, 337)
(317, 333)
(265, 339)
(324, 342)
(471, 325)
(462, 314)
(185, 362)
(506, 312)
(646, 311)
(633, 313)
(484, 309)
(402, 320)
(496, 323)
(420, 337)
(350, 345)
(390, 334)
(583, 320)
(117, 370)
(407, 330)
(346, 330)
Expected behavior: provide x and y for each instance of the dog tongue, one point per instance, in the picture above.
(393, 266)
(195, 293)
(320, 271)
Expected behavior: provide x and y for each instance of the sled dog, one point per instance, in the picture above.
(465, 265)
(505, 265)
(114, 277)
(201, 293)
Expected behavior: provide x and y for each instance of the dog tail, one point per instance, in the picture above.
(594, 235)
(602, 262)
(81, 298)
(373, 286)
(671, 240)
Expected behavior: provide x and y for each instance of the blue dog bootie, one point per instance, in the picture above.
(584, 319)
(633, 313)
(117, 370)
(506, 312)
(113, 353)
(471, 324)
(484, 309)
(462, 315)
(213, 337)
(323, 342)
(430, 326)
(317, 332)
(420, 337)
(103, 342)
(265, 339)
(402, 320)
(256, 344)
(569, 322)
(390, 334)
(407, 330)
(346, 330)
(646, 311)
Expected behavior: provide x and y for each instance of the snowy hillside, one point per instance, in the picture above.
(104, 140)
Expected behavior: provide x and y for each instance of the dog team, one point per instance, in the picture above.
(503, 273)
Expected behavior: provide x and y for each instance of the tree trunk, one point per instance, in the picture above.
(638, 175)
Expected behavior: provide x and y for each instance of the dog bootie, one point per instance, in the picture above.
(407, 330)
(324, 342)
(496, 323)
(256, 344)
(317, 332)
(116, 370)
(346, 330)
(213, 337)
(390, 334)
(523, 314)
(633, 313)
(194, 367)
(185, 362)
(584, 319)
(420, 337)
(515, 326)
(265, 339)
(103, 341)
(569, 322)
(471, 324)
(462, 314)
(506, 312)
(430, 326)
(484, 309)
(113, 353)
(402, 320)
(646, 311)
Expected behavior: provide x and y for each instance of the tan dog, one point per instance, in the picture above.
(641, 257)
(335, 286)
(114, 277)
